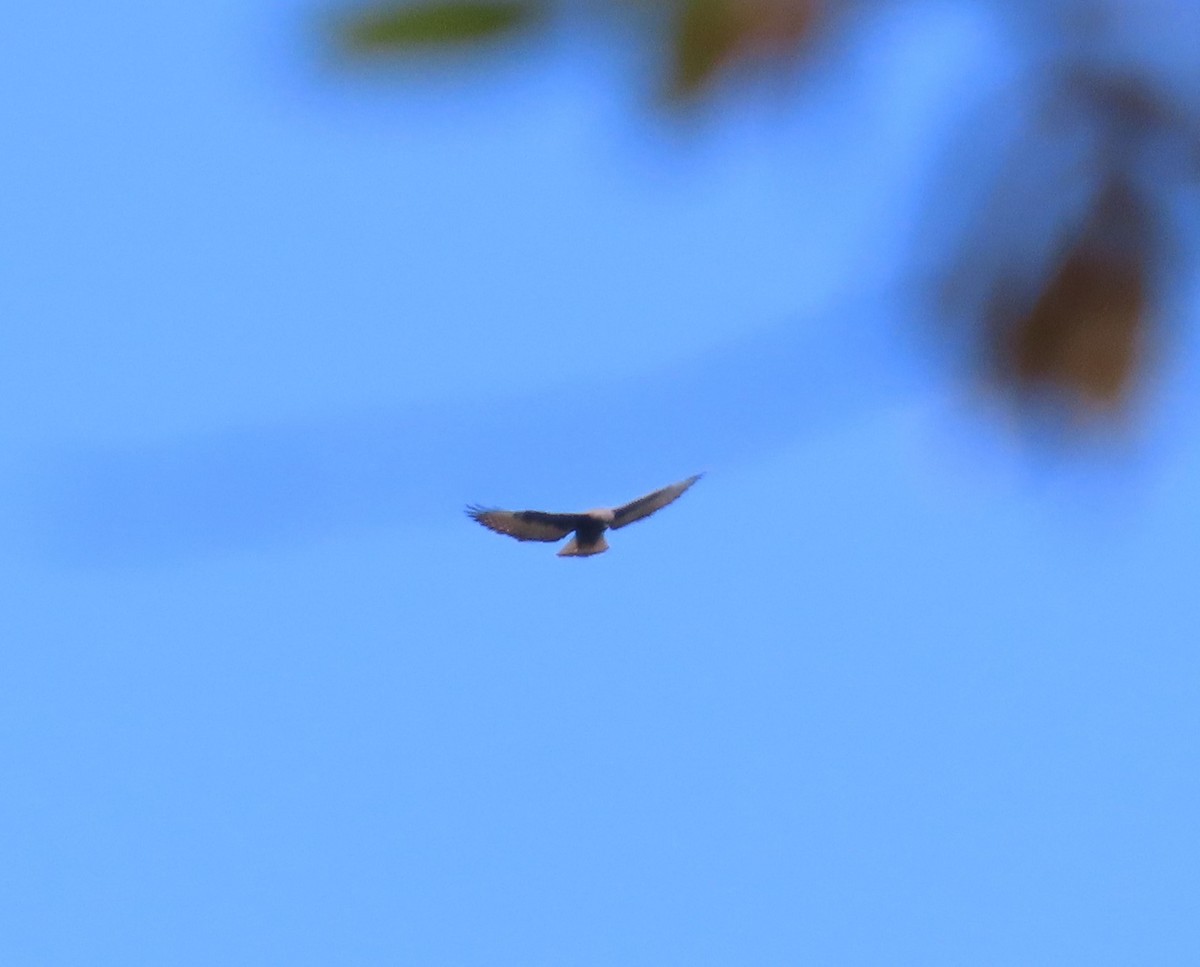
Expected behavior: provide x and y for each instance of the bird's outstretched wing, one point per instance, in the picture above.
(526, 525)
(645, 506)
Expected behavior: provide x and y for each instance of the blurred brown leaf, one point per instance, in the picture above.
(1084, 335)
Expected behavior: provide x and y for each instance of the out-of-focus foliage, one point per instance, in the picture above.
(1083, 334)
(1067, 312)
(438, 25)
(702, 36)
(1075, 321)
(708, 35)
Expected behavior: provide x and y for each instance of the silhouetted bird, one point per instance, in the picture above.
(589, 527)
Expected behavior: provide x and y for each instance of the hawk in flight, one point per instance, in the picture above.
(588, 527)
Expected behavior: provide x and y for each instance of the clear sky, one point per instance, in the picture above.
(895, 683)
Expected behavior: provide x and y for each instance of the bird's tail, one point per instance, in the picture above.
(573, 548)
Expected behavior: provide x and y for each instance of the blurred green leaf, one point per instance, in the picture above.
(414, 26)
(709, 35)
(706, 34)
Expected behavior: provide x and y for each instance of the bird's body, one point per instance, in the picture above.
(588, 527)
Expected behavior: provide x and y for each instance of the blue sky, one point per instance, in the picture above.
(894, 684)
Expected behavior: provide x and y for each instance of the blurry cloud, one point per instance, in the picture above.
(265, 486)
